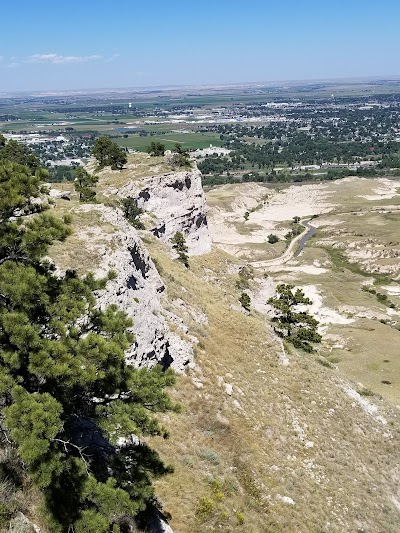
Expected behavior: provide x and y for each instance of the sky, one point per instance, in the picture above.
(87, 44)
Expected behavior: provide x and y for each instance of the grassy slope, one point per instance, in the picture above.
(237, 455)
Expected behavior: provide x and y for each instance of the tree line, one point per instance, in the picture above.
(72, 412)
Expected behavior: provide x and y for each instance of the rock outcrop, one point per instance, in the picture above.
(177, 202)
(137, 290)
(173, 201)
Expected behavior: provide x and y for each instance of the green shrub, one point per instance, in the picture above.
(272, 239)
(205, 507)
(245, 301)
(210, 456)
(132, 212)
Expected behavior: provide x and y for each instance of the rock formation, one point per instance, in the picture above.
(176, 199)
(137, 289)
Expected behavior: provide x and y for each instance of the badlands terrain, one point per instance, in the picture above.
(269, 439)
(350, 268)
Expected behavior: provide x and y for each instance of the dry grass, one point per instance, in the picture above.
(251, 445)
(281, 431)
(91, 237)
(138, 166)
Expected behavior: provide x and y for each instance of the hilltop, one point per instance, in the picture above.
(269, 438)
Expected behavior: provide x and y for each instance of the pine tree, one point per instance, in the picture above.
(101, 150)
(70, 406)
(109, 153)
(156, 148)
(14, 152)
(179, 245)
(298, 327)
(84, 185)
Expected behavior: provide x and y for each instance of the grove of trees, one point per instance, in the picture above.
(72, 412)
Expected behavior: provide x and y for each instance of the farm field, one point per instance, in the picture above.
(187, 140)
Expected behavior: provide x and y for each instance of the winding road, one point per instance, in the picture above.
(292, 250)
(309, 231)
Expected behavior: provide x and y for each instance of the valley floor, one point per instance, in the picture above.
(350, 268)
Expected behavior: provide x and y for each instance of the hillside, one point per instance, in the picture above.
(269, 439)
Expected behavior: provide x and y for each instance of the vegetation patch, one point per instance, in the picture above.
(294, 325)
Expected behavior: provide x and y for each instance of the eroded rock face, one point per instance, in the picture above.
(137, 290)
(177, 201)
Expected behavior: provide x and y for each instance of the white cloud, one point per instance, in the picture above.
(59, 59)
(13, 65)
(112, 58)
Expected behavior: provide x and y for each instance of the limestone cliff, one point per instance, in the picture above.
(137, 290)
(173, 201)
(176, 201)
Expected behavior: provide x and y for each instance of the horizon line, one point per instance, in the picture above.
(161, 88)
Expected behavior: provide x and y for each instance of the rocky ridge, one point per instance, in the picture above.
(173, 202)
(138, 289)
(176, 202)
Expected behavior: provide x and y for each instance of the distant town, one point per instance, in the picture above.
(249, 133)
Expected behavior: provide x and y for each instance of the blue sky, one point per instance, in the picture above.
(50, 45)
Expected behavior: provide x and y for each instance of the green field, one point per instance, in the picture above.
(187, 140)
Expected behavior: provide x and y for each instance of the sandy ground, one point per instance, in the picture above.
(387, 189)
(271, 210)
(267, 208)
(302, 201)
(294, 268)
(323, 314)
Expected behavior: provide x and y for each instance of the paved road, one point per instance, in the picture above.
(289, 252)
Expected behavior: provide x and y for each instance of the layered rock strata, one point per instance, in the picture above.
(176, 202)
